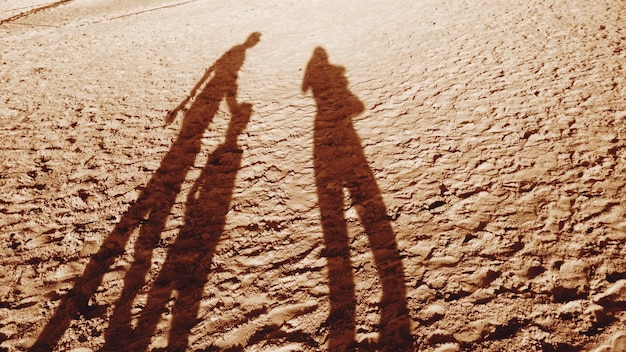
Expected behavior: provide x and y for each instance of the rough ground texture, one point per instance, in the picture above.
(306, 176)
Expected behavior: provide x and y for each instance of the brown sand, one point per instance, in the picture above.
(312, 175)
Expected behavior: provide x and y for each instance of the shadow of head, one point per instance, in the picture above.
(320, 54)
(330, 88)
(322, 74)
(252, 40)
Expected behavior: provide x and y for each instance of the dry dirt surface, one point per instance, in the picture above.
(434, 175)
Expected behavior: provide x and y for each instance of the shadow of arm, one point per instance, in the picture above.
(306, 80)
(171, 115)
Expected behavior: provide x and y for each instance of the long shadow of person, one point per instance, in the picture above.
(187, 265)
(151, 210)
(339, 162)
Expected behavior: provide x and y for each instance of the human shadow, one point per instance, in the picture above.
(188, 261)
(149, 213)
(340, 163)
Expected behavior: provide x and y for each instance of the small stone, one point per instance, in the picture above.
(422, 249)
(444, 261)
(573, 274)
(473, 332)
(471, 224)
(615, 293)
(369, 338)
(483, 295)
(422, 294)
(448, 347)
(280, 315)
(573, 281)
(432, 313)
(436, 281)
(482, 278)
(570, 309)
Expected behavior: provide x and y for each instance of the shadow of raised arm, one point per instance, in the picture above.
(171, 115)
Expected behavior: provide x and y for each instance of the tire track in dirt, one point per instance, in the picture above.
(93, 13)
(34, 11)
(149, 10)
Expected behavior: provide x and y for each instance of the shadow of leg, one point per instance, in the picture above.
(184, 274)
(149, 214)
(340, 162)
(337, 251)
(364, 191)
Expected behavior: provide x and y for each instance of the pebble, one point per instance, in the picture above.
(483, 295)
(615, 293)
(574, 278)
(473, 332)
(432, 313)
(278, 316)
(422, 249)
(444, 261)
(448, 347)
(423, 293)
(436, 281)
(371, 337)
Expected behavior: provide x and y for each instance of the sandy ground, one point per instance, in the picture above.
(306, 176)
